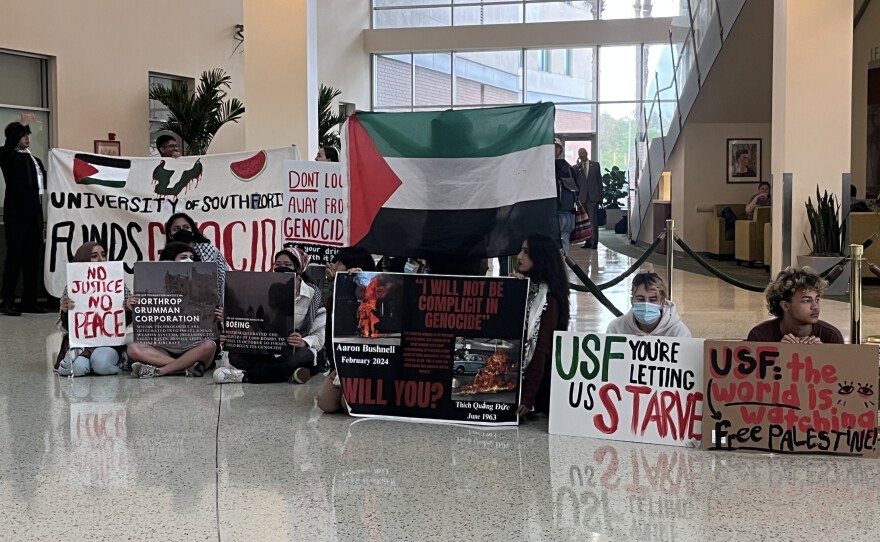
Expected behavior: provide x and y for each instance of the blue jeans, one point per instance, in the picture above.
(566, 226)
(103, 361)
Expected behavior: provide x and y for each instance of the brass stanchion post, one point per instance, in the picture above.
(670, 250)
(855, 294)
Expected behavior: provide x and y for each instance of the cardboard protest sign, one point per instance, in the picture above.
(176, 302)
(627, 387)
(791, 398)
(259, 311)
(432, 347)
(316, 208)
(98, 293)
(236, 199)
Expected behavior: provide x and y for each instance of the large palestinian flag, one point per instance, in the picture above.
(471, 182)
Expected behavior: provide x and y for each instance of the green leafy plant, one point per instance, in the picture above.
(197, 116)
(327, 119)
(827, 227)
(613, 187)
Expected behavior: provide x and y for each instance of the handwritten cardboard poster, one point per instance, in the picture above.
(98, 293)
(431, 347)
(627, 387)
(787, 398)
(316, 208)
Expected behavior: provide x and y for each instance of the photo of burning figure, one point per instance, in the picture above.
(368, 306)
(494, 364)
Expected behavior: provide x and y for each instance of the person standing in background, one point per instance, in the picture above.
(25, 179)
(588, 175)
(167, 146)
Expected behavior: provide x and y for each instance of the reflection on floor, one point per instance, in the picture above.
(107, 458)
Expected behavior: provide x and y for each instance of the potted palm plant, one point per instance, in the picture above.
(827, 238)
(196, 117)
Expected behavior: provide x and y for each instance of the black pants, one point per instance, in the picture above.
(23, 244)
(592, 208)
(266, 368)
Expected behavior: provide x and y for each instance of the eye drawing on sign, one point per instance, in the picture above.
(844, 388)
(867, 390)
(162, 179)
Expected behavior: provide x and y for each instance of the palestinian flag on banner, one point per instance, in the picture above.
(468, 182)
(100, 170)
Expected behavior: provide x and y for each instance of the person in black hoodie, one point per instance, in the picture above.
(25, 179)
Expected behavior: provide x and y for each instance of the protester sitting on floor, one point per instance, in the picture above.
(298, 359)
(547, 311)
(181, 227)
(652, 313)
(351, 260)
(192, 359)
(102, 360)
(793, 301)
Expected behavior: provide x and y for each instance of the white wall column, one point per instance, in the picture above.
(812, 108)
(281, 74)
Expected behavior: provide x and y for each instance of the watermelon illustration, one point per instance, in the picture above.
(250, 168)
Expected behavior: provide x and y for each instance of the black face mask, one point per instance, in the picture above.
(284, 270)
(184, 236)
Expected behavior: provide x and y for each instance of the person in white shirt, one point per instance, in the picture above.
(652, 313)
(298, 360)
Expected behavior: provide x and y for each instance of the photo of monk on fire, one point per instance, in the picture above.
(368, 307)
(485, 370)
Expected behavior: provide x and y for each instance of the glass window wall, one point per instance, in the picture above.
(422, 13)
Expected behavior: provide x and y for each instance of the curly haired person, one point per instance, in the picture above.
(793, 300)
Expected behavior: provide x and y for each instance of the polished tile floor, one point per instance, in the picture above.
(177, 459)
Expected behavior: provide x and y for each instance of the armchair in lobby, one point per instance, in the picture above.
(750, 237)
(717, 244)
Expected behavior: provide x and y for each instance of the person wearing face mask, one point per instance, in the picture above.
(189, 360)
(102, 360)
(181, 227)
(298, 359)
(177, 251)
(651, 313)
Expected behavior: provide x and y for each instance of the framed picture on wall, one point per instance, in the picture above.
(108, 148)
(743, 160)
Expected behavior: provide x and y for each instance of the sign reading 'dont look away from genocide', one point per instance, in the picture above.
(791, 398)
(627, 387)
(258, 311)
(316, 213)
(176, 302)
(98, 293)
(430, 347)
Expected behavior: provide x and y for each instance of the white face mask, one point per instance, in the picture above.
(409, 267)
(188, 260)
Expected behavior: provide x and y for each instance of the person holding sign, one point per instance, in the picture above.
(297, 361)
(103, 360)
(547, 311)
(793, 300)
(347, 260)
(651, 312)
(191, 360)
(181, 227)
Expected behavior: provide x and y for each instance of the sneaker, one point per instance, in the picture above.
(142, 370)
(301, 375)
(227, 375)
(196, 370)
